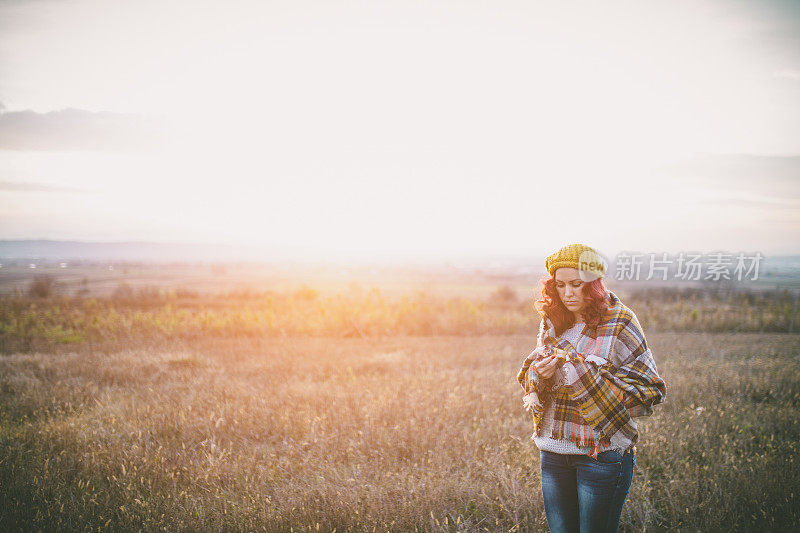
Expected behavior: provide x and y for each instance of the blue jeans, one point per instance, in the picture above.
(585, 494)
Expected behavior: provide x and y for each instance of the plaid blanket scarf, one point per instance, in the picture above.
(612, 380)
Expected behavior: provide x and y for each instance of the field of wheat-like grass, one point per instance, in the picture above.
(392, 433)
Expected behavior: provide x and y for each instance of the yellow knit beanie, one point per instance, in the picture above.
(579, 256)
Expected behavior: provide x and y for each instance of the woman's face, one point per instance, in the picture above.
(570, 289)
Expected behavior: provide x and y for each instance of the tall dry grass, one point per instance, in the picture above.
(401, 433)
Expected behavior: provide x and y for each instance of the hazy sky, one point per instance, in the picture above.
(497, 127)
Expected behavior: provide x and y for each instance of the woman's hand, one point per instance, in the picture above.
(533, 355)
(546, 367)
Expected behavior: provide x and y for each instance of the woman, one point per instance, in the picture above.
(591, 373)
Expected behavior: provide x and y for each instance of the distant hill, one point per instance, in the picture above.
(51, 250)
(773, 268)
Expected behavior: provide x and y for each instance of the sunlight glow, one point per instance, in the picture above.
(396, 126)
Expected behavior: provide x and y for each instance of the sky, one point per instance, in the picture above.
(403, 127)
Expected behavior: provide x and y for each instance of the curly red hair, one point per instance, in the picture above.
(550, 306)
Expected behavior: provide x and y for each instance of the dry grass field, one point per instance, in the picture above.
(185, 413)
(411, 433)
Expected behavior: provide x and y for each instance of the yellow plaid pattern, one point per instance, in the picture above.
(604, 399)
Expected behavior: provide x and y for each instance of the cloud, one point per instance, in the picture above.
(16, 186)
(788, 73)
(751, 167)
(76, 129)
(766, 181)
